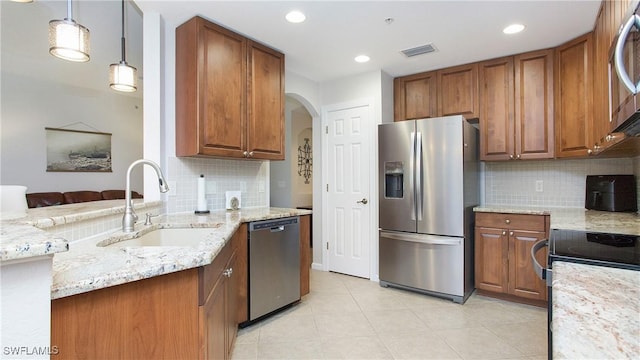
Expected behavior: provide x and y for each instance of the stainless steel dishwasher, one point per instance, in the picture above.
(274, 265)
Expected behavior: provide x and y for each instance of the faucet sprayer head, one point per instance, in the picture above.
(163, 186)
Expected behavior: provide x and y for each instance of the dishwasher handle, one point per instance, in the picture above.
(274, 225)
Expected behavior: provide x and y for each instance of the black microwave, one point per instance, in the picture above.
(624, 76)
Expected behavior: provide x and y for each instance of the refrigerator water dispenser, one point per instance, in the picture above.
(393, 179)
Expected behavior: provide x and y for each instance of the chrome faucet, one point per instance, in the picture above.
(129, 219)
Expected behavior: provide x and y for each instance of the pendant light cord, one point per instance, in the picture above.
(69, 10)
(122, 39)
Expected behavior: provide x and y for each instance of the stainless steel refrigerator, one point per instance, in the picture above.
(428, 173)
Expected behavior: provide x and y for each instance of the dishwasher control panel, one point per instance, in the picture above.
(267, 224)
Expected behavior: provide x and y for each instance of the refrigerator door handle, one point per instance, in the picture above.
(419, 200)
(422, 238)
(411, 178)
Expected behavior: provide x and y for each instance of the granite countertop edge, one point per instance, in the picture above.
(87, 267)
(25, 237)
(578, 219)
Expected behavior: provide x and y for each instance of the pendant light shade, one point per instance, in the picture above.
(69, 40)
(122, 76)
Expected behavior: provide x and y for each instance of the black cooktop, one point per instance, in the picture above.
(606, 249)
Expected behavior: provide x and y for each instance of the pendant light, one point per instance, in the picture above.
(122, 76)
(68, 40)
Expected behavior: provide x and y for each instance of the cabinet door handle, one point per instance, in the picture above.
(504, 233)
(518, 157)
(510, 233)
(246, 154)
(511, 156)
(228, 272)
(250, 153)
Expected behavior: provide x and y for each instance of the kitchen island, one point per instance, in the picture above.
(96, 267)
(88, 267)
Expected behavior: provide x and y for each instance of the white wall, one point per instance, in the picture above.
(280, 174)
(25, 305)
(29, 105)
(287, 187)
(38, 91)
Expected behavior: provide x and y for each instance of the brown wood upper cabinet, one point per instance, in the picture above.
(415, 96)
(574, 97)
(451, 91)
(458, 91)
(229, 94)
(516, 107)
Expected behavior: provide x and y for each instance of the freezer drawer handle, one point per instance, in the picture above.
(431, 240)
(543, 273)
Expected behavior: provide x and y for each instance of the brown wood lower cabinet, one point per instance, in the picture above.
(190, 314)
(503, 266)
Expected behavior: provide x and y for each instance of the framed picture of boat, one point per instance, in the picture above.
(78, 151)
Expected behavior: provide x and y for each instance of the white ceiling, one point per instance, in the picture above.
(323, 47)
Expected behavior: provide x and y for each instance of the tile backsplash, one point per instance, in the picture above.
(563, 181)
(248, 177)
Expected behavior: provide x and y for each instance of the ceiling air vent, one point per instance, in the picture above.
(419, 50)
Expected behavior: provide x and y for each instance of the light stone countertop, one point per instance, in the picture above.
(577, 218)
(22, 238)
(86, 267)
(596, 312)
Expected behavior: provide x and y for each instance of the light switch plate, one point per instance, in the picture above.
(210, 187)
(539, 186)
(173, 185)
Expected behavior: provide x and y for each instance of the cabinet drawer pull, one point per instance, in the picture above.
(507, 221)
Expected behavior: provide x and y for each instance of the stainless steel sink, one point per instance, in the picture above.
(189, 237)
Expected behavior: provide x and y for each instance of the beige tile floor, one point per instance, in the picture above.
(346, 317)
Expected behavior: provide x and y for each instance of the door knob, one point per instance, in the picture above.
(363, 201)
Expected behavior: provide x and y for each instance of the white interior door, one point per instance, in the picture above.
(348, 190)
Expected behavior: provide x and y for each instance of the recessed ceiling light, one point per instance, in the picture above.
(295, 17)
(362, 58)
(513, 29)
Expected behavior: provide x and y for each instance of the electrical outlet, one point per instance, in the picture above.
(539, 187)
(172, 188)
(210, 187)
